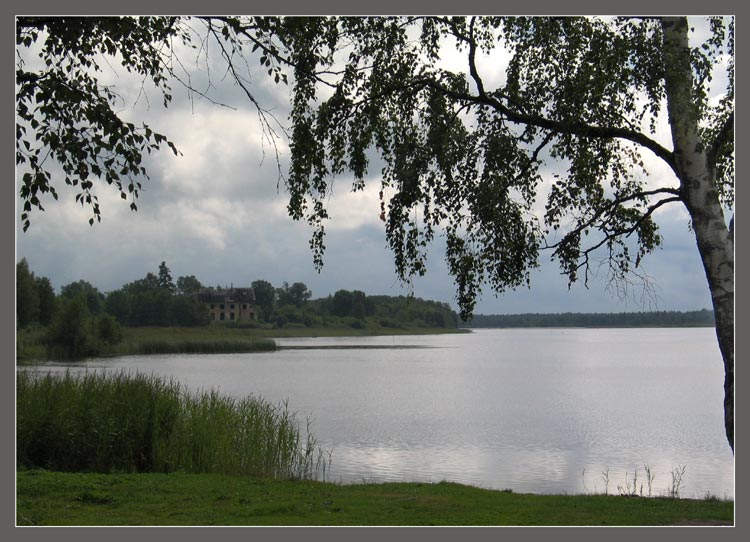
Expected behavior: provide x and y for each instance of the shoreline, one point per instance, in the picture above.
(213, 339)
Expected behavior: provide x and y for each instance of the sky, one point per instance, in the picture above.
(217, 212)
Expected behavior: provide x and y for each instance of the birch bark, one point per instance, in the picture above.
(714, 238)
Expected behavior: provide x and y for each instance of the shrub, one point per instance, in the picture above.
(385, 322)
(354, 323)
(281, 321)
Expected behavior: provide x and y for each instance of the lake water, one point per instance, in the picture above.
(533, 410)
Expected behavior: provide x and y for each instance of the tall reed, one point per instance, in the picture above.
(194, 346)
(132, 422)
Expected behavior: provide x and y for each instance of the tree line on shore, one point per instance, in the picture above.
(699, 318)
(81, 320)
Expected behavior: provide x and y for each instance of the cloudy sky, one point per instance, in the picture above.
(215, 212)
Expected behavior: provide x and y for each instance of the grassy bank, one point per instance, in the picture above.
(137, 423)
(208, 340)
(211, 339)
(55, 498)
(224, 339)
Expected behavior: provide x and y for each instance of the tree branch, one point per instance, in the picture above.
(472, 60)
(535, 155)
(609, 236)
(239, 29)
(648, 213)
(262, 113)
(613, 204)
(578, 129)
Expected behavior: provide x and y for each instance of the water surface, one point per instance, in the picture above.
(534, 410)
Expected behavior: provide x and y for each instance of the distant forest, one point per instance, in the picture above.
(81, 321)
(158, 300)
(701, 318)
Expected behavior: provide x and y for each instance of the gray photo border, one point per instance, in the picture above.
(300, 7)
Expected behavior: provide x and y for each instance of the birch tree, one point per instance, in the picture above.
(463, 158)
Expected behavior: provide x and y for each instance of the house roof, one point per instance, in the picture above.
(231, 295)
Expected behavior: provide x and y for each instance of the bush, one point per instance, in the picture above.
(385, 322)
(312, 320)
(355, 323)
(281, 321)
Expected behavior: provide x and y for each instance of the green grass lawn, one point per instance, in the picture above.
(55, 498)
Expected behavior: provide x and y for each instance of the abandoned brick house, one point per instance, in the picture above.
(230, 304)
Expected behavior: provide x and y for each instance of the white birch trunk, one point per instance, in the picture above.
(715, 240)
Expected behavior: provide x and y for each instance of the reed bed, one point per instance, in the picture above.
(199, 346)
(131, 422)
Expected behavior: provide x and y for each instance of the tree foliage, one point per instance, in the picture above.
(465, 159)
(70, 126)
(65, 113)
(265, 297)
(188, 285)
(93, 297)
(71, 332)
(36, 302)
(27, 295)
(354, 304)
(155, 301)
(296, 294)
(165, 278)
(147, 284)
(47, 300)
(75, 333)
(357, 309)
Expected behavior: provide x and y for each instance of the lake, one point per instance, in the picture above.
(532, 410)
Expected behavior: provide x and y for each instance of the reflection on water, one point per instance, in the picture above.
(531, 410)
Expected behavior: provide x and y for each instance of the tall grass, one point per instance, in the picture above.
(198, 346)
(104, 422)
